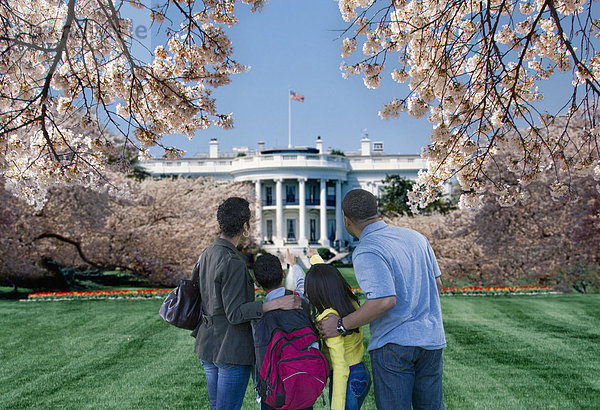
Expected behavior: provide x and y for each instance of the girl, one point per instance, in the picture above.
(328, 292)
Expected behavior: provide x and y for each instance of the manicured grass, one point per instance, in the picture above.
(522, 351)
(348, 274)
(96, 354)
(503, 352)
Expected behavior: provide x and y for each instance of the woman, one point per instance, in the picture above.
(224, 339)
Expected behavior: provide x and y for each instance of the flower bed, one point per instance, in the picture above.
(498, 290)
(488, 290)
(99, 294)
(161, 293)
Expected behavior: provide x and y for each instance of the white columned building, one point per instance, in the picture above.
(299, 190)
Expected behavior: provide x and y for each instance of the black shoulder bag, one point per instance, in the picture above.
(183, 306)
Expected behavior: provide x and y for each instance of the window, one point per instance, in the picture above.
(269, 230)
(312, 195)
(330, 195)
(291, 234)
(269, 198)
(290, 194)
(313, 230)
(331, 226)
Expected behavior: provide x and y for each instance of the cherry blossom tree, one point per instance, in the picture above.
(532, 240)
(474, 68)
(550, 242)
(460, 257)
(62, 56)
(157, 232)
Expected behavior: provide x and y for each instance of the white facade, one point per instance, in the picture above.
(301, 189)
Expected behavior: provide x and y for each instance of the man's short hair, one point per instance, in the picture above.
(268, 271)
(359, 205)
(232, 214)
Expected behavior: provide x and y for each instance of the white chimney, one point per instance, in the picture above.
(214, 148)
(261, 146)
(320, 144)
(365, 146)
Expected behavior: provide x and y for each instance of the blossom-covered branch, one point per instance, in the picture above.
(68, 67)
(474, 67)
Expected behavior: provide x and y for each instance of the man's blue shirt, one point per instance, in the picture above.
(393, 261)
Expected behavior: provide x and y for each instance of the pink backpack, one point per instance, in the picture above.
(293, 374)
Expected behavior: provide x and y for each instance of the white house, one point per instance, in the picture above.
(301, 188)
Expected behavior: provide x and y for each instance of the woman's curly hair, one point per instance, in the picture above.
(232, 215)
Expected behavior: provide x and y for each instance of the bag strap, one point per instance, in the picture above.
(196, 270)
(195, 279)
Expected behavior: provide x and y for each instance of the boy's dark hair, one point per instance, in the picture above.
(325, 287)
(359, 205)
(232, 215)
(268, 271)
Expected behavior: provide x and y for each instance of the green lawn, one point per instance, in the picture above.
(503, 352)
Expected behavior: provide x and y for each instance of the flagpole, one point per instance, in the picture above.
(290, 118)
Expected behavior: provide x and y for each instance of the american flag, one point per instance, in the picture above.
(296, 97)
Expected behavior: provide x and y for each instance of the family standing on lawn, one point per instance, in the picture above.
(398, 272)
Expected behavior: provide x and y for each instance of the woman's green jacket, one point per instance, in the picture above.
(227, 291)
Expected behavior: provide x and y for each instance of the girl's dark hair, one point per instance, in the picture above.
(232, 215)
(325, 287)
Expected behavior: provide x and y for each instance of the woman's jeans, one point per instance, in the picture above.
(359, 382)
(226, 384)
(404, 375)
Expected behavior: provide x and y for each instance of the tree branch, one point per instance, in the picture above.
(77, 246)
(59, 48)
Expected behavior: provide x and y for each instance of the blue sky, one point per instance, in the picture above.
(295, 44)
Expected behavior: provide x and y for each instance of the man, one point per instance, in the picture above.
(397, 270)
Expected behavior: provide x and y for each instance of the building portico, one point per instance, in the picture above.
(303, 211)
(299, 190)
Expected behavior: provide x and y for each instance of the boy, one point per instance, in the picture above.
(270, 276)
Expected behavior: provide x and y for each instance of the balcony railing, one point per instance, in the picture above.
(308, 202)
(290, 160)
(272, 202)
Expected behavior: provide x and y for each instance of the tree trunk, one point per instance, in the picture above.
(58, 278)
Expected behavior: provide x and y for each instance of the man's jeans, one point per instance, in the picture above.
(226, 384)
(403, 375)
